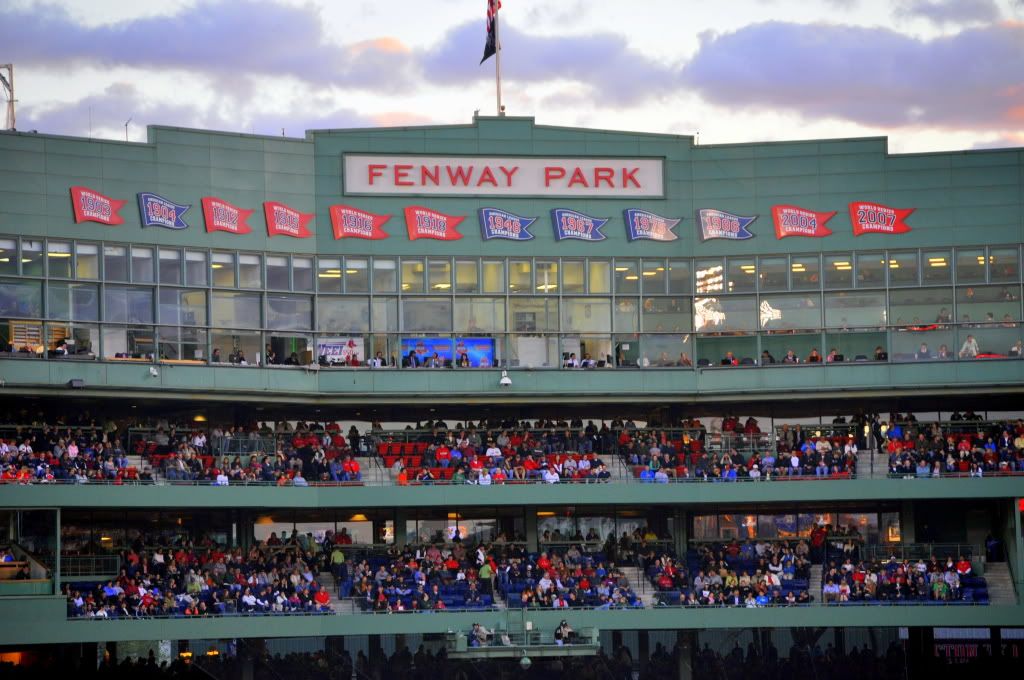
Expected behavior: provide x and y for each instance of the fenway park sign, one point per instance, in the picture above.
(503, 176)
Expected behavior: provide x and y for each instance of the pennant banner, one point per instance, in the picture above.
(349, 222)
(720, 224)
(875, 218)
(223, 216)
(285, 221)
(157, 211)
(426, 223)
(575, 225)
(793, 221)
(641, 224)
(92, 206)
(496, 223)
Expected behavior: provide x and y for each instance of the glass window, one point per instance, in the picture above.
(718, 314)
(773, 273)
(142, 265)
(235, 310)
(573, 279)
(58, 259)
(520, 277)
(128, 305)
(329, 275)
(667, 315)
(533, 315)
(480, 315)
(600, 277)
(870, 270)
(936, 268)
(790, 312)
(115, 263)
(8, 256)
(385, 275)
(440, 273)
(426, 315)
(302, 274)
(196, 273)
(741, 275)
(493, 276)
(277, 272)
(182, 307)
(586, 315)
(839, 271)
(627, 277)
(22, 299)
(32, 258)
(1004, 264)
(921, 306)
(249, 271)
(467, 277)
(289, 312)
(357, 275)
(679, 277)
(855, 310)
(989, 305)
(970, 265)
(903, 268)
(347, 314)
(73, 301)
(412, 276)
(547, 277)
(710, 276)
(627, 315)
(384, 315)
(223, 270)
(170, 266)
(805, 272)
(653, 277)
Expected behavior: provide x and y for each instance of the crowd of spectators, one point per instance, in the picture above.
(903, 581)
(937, 451)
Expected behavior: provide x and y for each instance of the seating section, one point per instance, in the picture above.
(895, 582)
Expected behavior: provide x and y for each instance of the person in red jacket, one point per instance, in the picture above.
(350, 470)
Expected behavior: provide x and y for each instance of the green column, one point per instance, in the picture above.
(401, 516)
(530, 521)
(907, 522)
(56, 553)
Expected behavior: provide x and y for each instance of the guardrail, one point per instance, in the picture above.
(77, 566)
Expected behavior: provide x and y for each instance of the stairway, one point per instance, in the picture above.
(640, 585)
(873, 465)
(814, 585)
(1000, 584)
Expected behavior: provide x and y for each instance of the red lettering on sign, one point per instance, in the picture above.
(374, 170)
(551, 173)
(604, 175)
(460, 175)
(629, 175)
(508, 173)
(401, 175)
(426, 174)
(578, 178)
(487, 176)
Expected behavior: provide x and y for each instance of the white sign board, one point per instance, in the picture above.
(503, 176)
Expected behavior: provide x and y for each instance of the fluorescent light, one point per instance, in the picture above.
(632, 277)
(58, 254)
(330, 276)
(442, 286)
(840, 264)
(622, 269)
(941, 263)
(217, 265)
(650, 273)
(351, 271)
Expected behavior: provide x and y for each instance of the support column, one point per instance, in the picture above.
(56, 555)
(681, 535)
(907, 530)
(1017, 554)
(643, 645)
(686, 650)
(401, 538)
(532, 539)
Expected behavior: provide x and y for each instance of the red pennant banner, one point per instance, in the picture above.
(349, 222)
(875, 218)
(426, 223)
(223, 216)
(791, 220)
(92, 206)
(285, 221)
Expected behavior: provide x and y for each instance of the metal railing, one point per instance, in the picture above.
(76, 566)
(907, 551)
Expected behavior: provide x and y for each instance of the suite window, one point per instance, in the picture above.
(839, 271)
(73, 301)
(989, 307)
(903, 268)
(329, 275)
(936, 267)
(58, 259)
(773, 273)
(586, 315)
(666, 315)
(467, 278)
(921, 306)
(790, 312)
(385, 275)
(384, 315)
(21, 299)
(573, 277)
(142, 265)
(426, 315)
(115, 263)
(547, 277)
(223, 270)
(32, 258)
(600, 277)
(710, 276)
(742, 275)
(249, 271)
(805, 272)
(179, 306)
(725, 314)
(346, 315)
(277, 272)
(235, 310)
(653, 276)
(357, 275)
(8, 257)
(1004, 265)
(128, 305)
(440, 273)
(970, 265)
(520, 277)
(196, 273)
(412, 276)
(849, 310)
(534, 315)
(627, 315)
(302, 274)
(170, 266)
(871, 270)
(493, 276)
(479, 315)
(627, 277)
(289, 312)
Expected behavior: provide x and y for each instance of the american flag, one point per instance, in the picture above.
(491, 47)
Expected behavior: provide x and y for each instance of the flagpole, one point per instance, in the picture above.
(497, 58)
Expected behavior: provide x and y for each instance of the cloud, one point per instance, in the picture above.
(874, 76)
(942, 12)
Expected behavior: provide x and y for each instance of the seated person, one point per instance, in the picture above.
(463, 360)
(790, 358)
(881, 354)
(684, 360)
(833, 356)
(943, 353)
(923, 352)
(767, 358)
(588, 361)
(572, 361)
(730, 360)
(814, 357)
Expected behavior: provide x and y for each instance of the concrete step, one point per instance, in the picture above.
(1000, 584)
(640, 585)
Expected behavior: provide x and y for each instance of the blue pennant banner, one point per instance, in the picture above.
(157, 211)
(720, 224)
(576, 225)
(495, 223)
(641, 224)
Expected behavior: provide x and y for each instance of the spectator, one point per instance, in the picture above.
(969, 350)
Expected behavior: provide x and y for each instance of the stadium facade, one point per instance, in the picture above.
(509, 269)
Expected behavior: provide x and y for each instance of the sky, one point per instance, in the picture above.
(932, 75)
